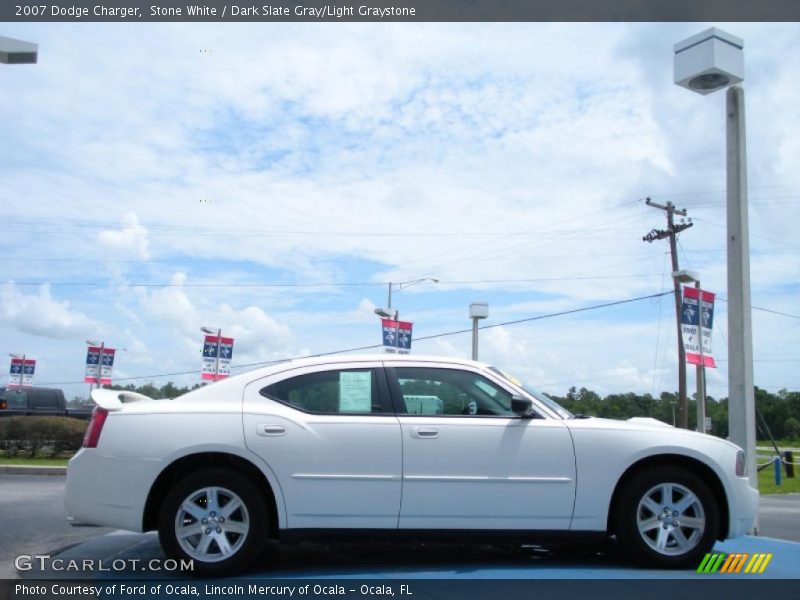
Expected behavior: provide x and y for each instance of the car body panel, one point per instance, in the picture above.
(339, 471)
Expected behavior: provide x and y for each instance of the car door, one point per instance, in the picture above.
(329, 434)
(469, 462)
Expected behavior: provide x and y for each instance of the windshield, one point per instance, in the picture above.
(544, 399)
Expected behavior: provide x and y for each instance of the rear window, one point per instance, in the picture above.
(44, 398)
(16, 398)
(329, 392)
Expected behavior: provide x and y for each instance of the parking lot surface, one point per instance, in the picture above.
(37, 525)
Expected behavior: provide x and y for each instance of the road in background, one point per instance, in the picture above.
(34, 520)
(779, 516)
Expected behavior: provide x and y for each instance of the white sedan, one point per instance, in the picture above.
(397, 446)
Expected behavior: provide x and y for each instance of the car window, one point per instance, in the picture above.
(44, 398)
(428, 391)
(544, 399)
(352, 391)
(16, 398)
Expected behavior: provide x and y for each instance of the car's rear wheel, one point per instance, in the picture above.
(667, 517)
(216, 518)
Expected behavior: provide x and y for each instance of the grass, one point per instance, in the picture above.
(766, 481)
(35, 462)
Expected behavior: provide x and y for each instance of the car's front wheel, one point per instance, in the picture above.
(667, 517)
(216, 518)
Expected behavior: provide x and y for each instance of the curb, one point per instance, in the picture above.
(32, 470)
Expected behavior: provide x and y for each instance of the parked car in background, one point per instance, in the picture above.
(32, 401)
(397, 447)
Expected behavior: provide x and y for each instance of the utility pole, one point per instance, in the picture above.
(659, 234)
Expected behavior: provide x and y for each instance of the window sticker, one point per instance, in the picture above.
(355, 392)
(423, 405)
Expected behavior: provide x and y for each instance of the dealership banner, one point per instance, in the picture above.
(698, 314)
(396, 335)
(217, 354)
(21, 372)
(99, 364)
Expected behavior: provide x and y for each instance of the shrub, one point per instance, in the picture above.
(56, 435)
(791, 428)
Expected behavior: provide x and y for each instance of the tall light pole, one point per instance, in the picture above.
(17, 52)
(477, 311)
(218, 333)
(705, 63)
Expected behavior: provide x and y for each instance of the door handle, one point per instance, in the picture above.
(272, 430)
(425, 433)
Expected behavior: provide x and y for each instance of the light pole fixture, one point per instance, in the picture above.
(707, 62)
(17, 52)
(686, 276)
(477, 311)
(387, 313)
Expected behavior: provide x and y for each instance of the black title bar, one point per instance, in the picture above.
(399, 10)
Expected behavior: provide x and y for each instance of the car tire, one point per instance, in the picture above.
(667, 518)
(215, 517)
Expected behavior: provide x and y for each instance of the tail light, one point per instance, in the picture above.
(741, 464)
(92, 435)
(3, 405)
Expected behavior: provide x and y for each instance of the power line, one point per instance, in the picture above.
(761, 237)
(374, 346)
(316, 285)
(769, 310)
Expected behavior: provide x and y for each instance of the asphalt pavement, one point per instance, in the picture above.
(34, 523)
(34, 520)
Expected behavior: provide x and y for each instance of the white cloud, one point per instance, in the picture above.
(40, 315)
(129, 241)
(506, 151)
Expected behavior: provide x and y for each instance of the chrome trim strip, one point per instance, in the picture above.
(346, 477)
(450, 478)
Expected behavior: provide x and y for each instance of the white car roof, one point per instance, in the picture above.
(360, 358)
(246, 377)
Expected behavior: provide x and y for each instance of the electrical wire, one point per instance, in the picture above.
(374, 346)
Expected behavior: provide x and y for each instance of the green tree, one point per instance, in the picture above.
(791, 428)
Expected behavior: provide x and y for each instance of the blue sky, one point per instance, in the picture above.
(311, 154)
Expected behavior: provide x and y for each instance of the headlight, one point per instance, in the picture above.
(741, 464)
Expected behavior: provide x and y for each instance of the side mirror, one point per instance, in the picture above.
(522, 407)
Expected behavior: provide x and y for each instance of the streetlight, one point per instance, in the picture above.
(705, 63)
(686, 276)
(17, 52)
(386, 313)
(477, 311)
(218, 333)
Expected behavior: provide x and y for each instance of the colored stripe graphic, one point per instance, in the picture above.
(711, 563)
(766, 562)
(734, 563)
(726, 567)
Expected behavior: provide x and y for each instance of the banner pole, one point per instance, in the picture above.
(700, 372)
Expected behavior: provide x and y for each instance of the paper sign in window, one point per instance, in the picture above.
(355, 392)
